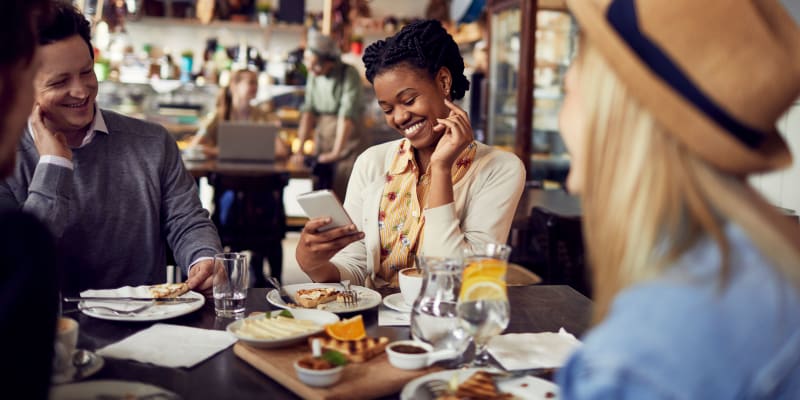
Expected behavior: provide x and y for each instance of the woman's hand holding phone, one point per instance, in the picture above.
(316, 247)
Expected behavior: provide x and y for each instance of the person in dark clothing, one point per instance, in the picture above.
(28, 277)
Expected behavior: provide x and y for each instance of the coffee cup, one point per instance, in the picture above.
(65, 344)
(410, 280)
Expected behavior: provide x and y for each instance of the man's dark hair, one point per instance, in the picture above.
(422, 44)
(18, 24)
(66, 20)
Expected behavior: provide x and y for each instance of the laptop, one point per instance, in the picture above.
(246, 142)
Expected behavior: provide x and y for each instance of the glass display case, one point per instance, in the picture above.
(503, 72)
(532, 43)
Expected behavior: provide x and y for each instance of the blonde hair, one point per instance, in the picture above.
(647, 199)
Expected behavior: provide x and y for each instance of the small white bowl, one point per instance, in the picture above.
(318, 377)
(410, 360)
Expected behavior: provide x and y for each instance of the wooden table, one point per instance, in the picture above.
(225, 376)
(207, 167)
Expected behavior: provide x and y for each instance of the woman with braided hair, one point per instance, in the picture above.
(435, 191)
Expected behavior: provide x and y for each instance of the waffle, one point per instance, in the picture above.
(480, 386)
(356, 350)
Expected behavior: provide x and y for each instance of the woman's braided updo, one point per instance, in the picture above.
(422, 44)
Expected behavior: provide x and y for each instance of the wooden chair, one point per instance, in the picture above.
(559, 240)
(256, 220)
(517, 275)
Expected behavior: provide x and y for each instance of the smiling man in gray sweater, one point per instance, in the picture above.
(113, 190)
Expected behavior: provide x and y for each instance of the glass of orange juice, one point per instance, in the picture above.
(483, 307)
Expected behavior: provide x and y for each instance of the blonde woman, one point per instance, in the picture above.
(696, 276)
(234, 103)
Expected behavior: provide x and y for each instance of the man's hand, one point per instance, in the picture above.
(47, 142)
(201, 277)
(328, 157)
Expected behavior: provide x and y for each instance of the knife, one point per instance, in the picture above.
(281, 291)
(126, 299)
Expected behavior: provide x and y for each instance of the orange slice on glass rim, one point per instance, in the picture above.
(348, 329)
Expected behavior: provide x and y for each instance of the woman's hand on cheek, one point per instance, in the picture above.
(457, 135)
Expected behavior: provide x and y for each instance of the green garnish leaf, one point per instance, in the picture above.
(267, 314)
(286, 314)
(334, 357)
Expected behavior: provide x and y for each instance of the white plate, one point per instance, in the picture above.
(320, 317)
(367, 298)
(88, 370)
(97, 389)
(397, 302)
(526, 387)
(155, 313)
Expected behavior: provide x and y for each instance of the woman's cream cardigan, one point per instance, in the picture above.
(485, 201)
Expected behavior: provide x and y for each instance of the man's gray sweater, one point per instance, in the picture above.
(113, 215)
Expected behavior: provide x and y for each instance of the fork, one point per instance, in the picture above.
(349, 296)
(431, 389)
(116, 311)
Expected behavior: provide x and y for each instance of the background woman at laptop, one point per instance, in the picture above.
(234, 103)
(436, 191)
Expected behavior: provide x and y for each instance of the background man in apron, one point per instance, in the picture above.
(332, 109)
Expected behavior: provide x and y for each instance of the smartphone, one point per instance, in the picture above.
(324, 203)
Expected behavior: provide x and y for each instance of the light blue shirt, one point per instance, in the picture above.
(683, 337)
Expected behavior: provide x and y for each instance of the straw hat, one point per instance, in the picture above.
(323, 45)
(716, 73)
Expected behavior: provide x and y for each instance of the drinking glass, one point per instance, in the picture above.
(231, 279)
(483, 308)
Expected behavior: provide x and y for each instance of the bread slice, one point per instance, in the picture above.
(165, 290)
(355, 350)
(311, 298)
(480, 385)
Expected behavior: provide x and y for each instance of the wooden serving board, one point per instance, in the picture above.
(367, 380)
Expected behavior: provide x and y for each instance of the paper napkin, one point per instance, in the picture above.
(533, 350)
(170, 345)
(389, 317)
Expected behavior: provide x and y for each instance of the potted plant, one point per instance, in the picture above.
(264, 10)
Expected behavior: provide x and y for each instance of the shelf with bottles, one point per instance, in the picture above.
(193, 22)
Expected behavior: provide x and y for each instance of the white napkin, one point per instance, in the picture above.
(533, 350)
(131, 291)
(170, 345)
(389, 317)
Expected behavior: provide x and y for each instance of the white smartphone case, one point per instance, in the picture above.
(324, 203)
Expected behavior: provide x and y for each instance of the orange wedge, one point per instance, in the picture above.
(348, 329)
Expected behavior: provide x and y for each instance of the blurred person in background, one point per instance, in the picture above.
(332, 111)
(696, 275)
(434, 192)
(28, 276)
(235, 103)
(112, 189)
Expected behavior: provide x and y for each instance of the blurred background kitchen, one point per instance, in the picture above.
(165, 61)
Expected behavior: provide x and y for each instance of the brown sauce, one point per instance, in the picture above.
(408, 349)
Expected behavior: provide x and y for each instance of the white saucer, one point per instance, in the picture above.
(87, 371)
(397, 303)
